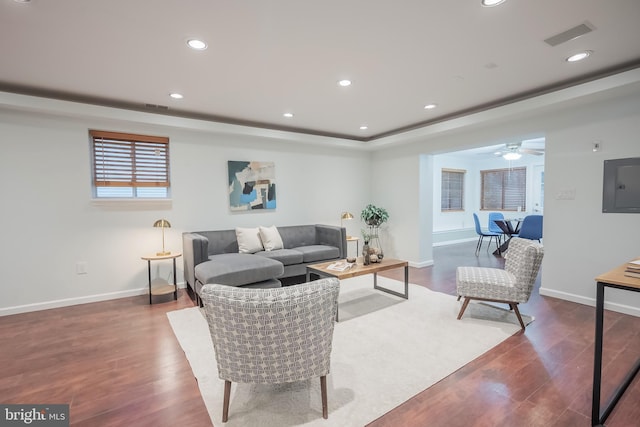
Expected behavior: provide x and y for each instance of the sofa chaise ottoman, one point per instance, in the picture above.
(212, 257)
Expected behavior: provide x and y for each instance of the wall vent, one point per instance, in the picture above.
(570, 34)
(157, 107)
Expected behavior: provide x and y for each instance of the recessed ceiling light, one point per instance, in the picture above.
(288, 115)
(491, 3)
(579, 56)
(22, 1)
(364, 127)
(176, 95)
(430, 106)
(344, 83)
(196, 44)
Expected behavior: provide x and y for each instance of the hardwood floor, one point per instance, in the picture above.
(542, 377)
(118, 363)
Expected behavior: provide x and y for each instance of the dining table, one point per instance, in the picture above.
(509, 227)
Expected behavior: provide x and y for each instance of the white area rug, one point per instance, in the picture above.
(385, 350)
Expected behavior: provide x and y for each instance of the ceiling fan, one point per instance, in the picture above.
(514, 150)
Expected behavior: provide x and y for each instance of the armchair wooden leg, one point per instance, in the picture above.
(514, 306)
(464, 307)
(225, 403)
(323, 391)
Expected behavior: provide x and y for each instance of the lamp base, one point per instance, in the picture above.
(163, 253)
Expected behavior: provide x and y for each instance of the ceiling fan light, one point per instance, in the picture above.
(511, 156)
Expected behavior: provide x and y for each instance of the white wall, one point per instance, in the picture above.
(580, 241)
(399, 187)
(50, 223)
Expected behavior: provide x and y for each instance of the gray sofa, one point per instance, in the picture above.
(211, 257)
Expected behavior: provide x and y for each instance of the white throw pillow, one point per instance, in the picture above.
(249, 240)
(271, 238)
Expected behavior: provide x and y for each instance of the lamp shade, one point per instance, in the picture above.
(162, 223)
(345, 216)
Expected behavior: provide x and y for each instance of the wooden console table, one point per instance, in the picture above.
(611, 279)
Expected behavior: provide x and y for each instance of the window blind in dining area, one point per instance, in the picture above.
(452, 190)
(504, 189)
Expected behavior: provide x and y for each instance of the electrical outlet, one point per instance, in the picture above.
(82, 267)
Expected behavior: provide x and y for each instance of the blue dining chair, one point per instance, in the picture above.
(531, 228)
(484, 233)
(493, 227)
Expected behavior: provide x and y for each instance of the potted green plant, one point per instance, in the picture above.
(374, 216)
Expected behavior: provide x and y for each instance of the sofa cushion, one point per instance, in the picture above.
(237, 269)
(249, 240)
(298, 235)
(315, 253)
(285, 256)
(271, 239)
(267, 284)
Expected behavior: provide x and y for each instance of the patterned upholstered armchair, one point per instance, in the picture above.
(513, 285)
(272, 336)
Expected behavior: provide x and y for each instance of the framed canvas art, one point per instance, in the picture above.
(252, 185)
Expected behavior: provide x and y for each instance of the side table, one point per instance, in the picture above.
(353, 239)
(611, 279)
(164, 289)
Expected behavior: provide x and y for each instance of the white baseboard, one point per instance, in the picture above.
(421, 264)
(75, 301)
(619, 308)
(453, 242)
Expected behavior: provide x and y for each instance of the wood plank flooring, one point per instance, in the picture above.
(542, 377)
(117, 363)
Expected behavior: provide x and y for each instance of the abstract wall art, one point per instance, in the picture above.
(252, 185)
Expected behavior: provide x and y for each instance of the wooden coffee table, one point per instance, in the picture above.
(360, 270)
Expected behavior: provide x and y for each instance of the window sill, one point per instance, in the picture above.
(132, 204)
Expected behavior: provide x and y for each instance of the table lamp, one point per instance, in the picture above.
(162, 223)
(345, 216)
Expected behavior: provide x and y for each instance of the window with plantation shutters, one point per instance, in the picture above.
(129, 166)
(504, 189)
(452, 190)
